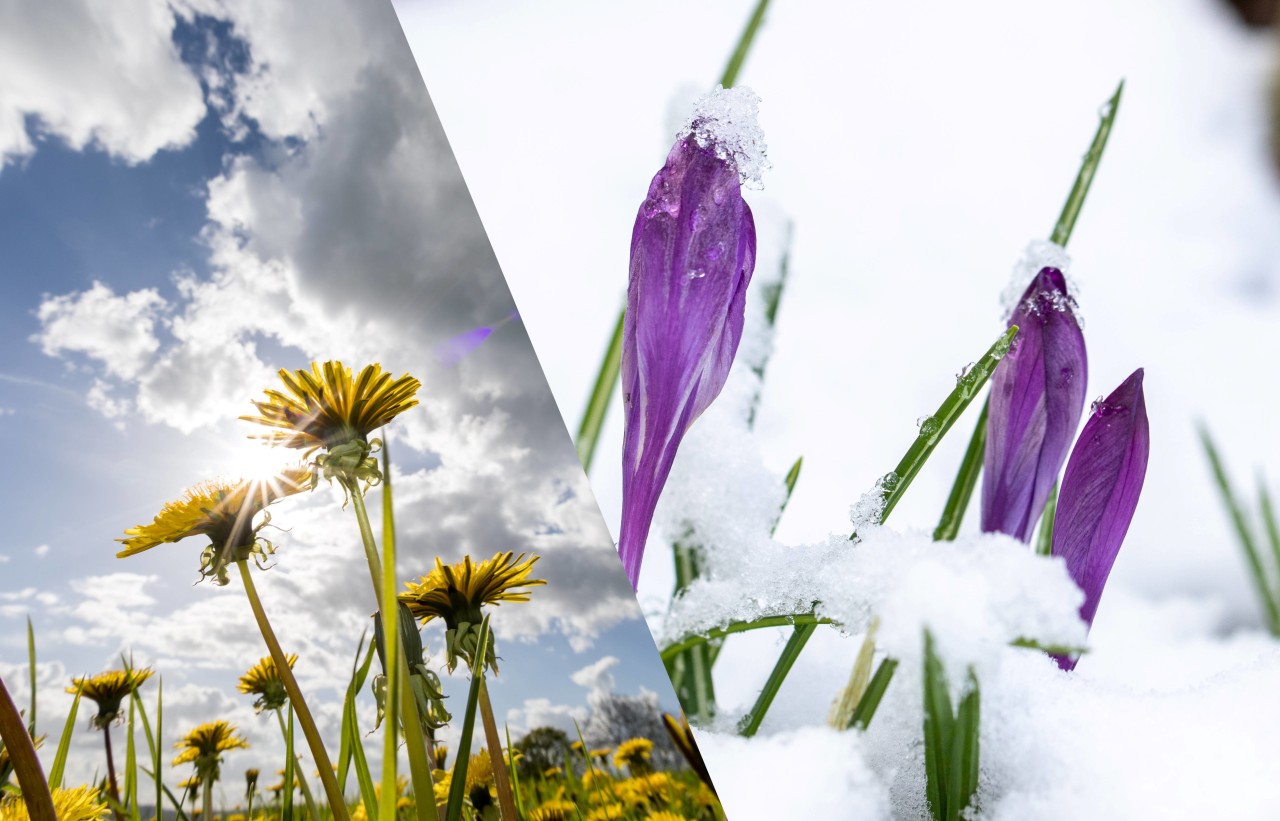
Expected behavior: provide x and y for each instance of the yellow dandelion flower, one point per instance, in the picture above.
(223, 511)
(480, 781)
(108, 690)
(263, 680)
(601, 753)
(644, 789)
(594, 779)
(440, 753)
(664, 815)
(204, 746)
(456, 593)
(554, 810)
(443, 779)
(192, 783)
(578, 747)
(607, 812)
(552, 772)
(633, 753)
(358, 814)
(326, 408)
(78, 804)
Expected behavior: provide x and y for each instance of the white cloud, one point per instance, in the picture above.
(597, 678)
(541, 712)
(3, 558)
(118, 331)
(100, 398)
(52, 59)
(42, 550)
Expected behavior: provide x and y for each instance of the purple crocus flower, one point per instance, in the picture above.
(692, 254)
(1037, 397)
(1100, 491)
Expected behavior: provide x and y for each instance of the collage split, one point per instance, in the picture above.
(467, 410)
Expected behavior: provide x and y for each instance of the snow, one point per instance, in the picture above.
(727, 120)
(915, 150)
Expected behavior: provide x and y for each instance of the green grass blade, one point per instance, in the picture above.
(31, 667)
(155, 758)
(601, 395)
(351, 752)
(966, 480)
(791, 620)
(694, 686)
(514, 771)
(1269, 524)
(871, 697)
(938, 726)
(743, 48)
(962, 770)
(64, 744)
(290, 759)
(1243, 532)
(800, 636)
(1044, 542)
(457, 785)
(131, 763)
(895, 484)
(793, 476)
(364, 778)
(1066, 223)
(173, 799)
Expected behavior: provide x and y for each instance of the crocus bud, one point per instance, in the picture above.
(1100, 490)
(692, 254)
(1037, 397)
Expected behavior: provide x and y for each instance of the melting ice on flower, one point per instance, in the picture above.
(693, 252)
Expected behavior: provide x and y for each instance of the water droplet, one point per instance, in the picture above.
(964, 372)
(697, 273)
(927, 425)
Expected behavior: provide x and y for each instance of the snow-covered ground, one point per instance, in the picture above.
(916, 151)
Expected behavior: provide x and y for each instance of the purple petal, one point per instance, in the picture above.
(692, 256)
(1100, 489)
(1037, 398)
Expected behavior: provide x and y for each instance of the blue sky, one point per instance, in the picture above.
(190, 200)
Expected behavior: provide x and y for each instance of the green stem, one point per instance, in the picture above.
(206, 797)
(800, 636)
(1044, 542)
(113, 785)
(1088, 167)
(794, 620)
(940, 423)
(419, 764)
(501, 783)
(301, 776)
(334, 795)
(384, 585)
(22, 753)
(745, 41)
(966, 479)
(601, 395)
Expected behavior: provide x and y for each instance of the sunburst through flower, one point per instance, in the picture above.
(456, 593)
(223, 511)
(108, 690)
(329, 408)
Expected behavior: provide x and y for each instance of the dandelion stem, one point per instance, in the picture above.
(22, 752)
(384, 588)
(206, 796)
(111, 773)
(334, 795)
(501, 781)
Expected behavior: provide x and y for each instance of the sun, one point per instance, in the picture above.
(252, 461)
